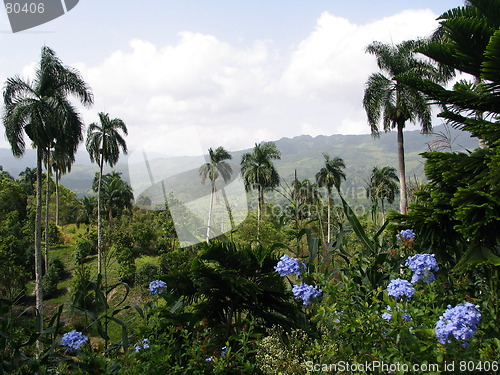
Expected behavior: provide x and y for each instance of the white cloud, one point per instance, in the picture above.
(238, 94)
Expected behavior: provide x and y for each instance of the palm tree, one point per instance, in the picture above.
(116, 194)
(61, 164)
(28, 180)
(41, 109)
(259, 172)
(330, 176)
(383, 185)
(215, 167)
(394, 102)
(103, 145)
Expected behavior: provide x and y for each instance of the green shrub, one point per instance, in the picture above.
(146, 273)
(174, 260)
(50, 280)
(126, 264)
(143, 235)
(83, 248)
(55, 234)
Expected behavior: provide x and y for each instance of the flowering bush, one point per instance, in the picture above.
(288, 266)
(423, 266)
(460, 322)
(399, 288)
(406, 235)
(73, 340)
(306, 292)
(157, 287)
(144, 344)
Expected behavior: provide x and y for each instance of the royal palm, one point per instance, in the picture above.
(383, 186)
(40, 108)
(104, 141)
(259, 172)
(215, 167)
(331, 175)
(395, 103)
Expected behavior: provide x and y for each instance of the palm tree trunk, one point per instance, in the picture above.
(57, 197)
(328, 235)
(38, 244)
(259, 210)
(228, 209)
(209, 223)
(47, 203)
(402, 172)
(99, 220)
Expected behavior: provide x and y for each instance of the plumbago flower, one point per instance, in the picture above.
(288, 266)
(459, 322)
(73, 340)
(423, 266)
(144, 344)
(406, 235)
(388, 316)
(399, 289)
(157, 287)
(305, 292)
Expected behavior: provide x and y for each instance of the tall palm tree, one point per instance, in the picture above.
(215, 167)
(383, 185)
(41, 109)
(331, 175)
(259, 172)
(104, 142)
(394, 102)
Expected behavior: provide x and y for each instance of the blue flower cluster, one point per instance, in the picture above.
(157, 287)
(405, 235)
(287, 266)
(144, 344)
(399, 288)
(460, 322)
(388, 316)
(423, 266)
(305, 292)
(73, 340)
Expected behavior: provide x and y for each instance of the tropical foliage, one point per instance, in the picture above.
(415, 293)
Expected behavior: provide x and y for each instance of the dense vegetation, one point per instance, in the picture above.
(102, 285)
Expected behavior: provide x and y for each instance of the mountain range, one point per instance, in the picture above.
(302, 155)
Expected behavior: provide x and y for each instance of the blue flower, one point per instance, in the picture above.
(422, 265)
(224, 350)
(388, 315)
(305, 292)
(459, 322)
(405, 235)
(157, 287)
(399, 288)
(209, 359)
(73, 340)
(338, 314)
(287, 266)
(144, 344)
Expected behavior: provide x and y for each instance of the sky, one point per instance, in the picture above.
(188, 75)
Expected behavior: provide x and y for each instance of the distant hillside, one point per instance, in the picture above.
(303, 153)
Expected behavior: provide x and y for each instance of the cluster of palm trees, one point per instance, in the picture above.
(259, 173)
(41, 109)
